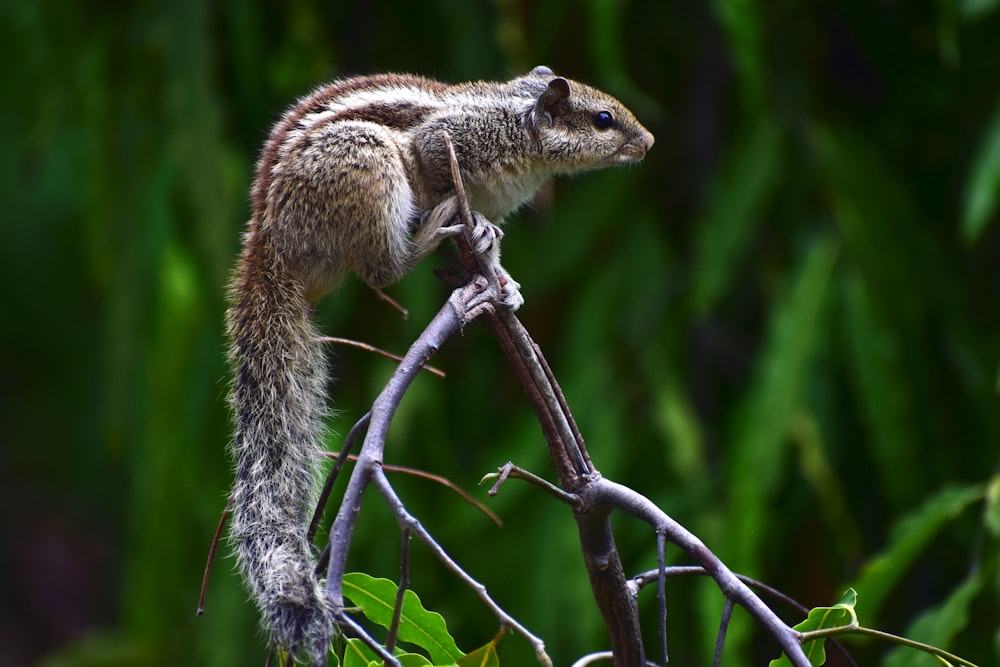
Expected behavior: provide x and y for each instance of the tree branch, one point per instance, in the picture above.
(464, 303)
(445, 323)
(592, 497)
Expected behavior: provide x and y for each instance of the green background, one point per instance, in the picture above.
(782, 327)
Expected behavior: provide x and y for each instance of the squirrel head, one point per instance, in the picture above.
(577, 127)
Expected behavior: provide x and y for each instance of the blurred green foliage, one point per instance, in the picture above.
(784, 327)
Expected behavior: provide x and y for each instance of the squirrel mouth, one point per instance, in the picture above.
(634, 151)
(629, 153)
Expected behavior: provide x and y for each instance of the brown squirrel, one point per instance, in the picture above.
(356, 177)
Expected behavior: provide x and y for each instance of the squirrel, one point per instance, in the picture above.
(356, 177)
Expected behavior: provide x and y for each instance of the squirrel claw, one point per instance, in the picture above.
(510, 290)
(511, 299)
(484, 240)
(483, 235)
(447, 232)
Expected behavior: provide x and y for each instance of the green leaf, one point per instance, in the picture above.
(983, 187)
(484, 656)
(417, 625)
(909, 537)
(356, 654)
(840, 615)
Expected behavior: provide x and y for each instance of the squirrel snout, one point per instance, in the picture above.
(647, 141)
(635, 150)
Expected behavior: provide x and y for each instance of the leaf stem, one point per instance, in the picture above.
(887, 636)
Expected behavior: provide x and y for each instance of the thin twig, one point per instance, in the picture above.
(368, 468)
(472, 260)
(445, 323)
(720, 640)
(501, 475)
(211, 556)
(645, 578)
(392, 302)
(599, 656)
(331, 478)
(404, 582)
(592, 658)
(539, 375)
(353, 628)
(888, 636)
(603, 492)
(511, 470)
(661, 591)
(443, 481)
(447, 483)
(333, 340)
(407, 520)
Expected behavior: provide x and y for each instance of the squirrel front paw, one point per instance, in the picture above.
(484, 236)
(510, 290)
(484, 239)
(434, 226)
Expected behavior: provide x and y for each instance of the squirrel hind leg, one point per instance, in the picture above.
(434, 226)
(361, 183)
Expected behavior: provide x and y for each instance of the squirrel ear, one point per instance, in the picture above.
(548, 105)
(542, 70)
(551, 101)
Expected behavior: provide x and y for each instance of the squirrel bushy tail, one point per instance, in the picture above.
(278, 397)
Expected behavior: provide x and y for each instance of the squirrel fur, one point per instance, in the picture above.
(356, 178)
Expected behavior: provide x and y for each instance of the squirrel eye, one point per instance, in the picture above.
(603, 120)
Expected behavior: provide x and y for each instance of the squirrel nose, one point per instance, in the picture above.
(636, 149)
(647, 141)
